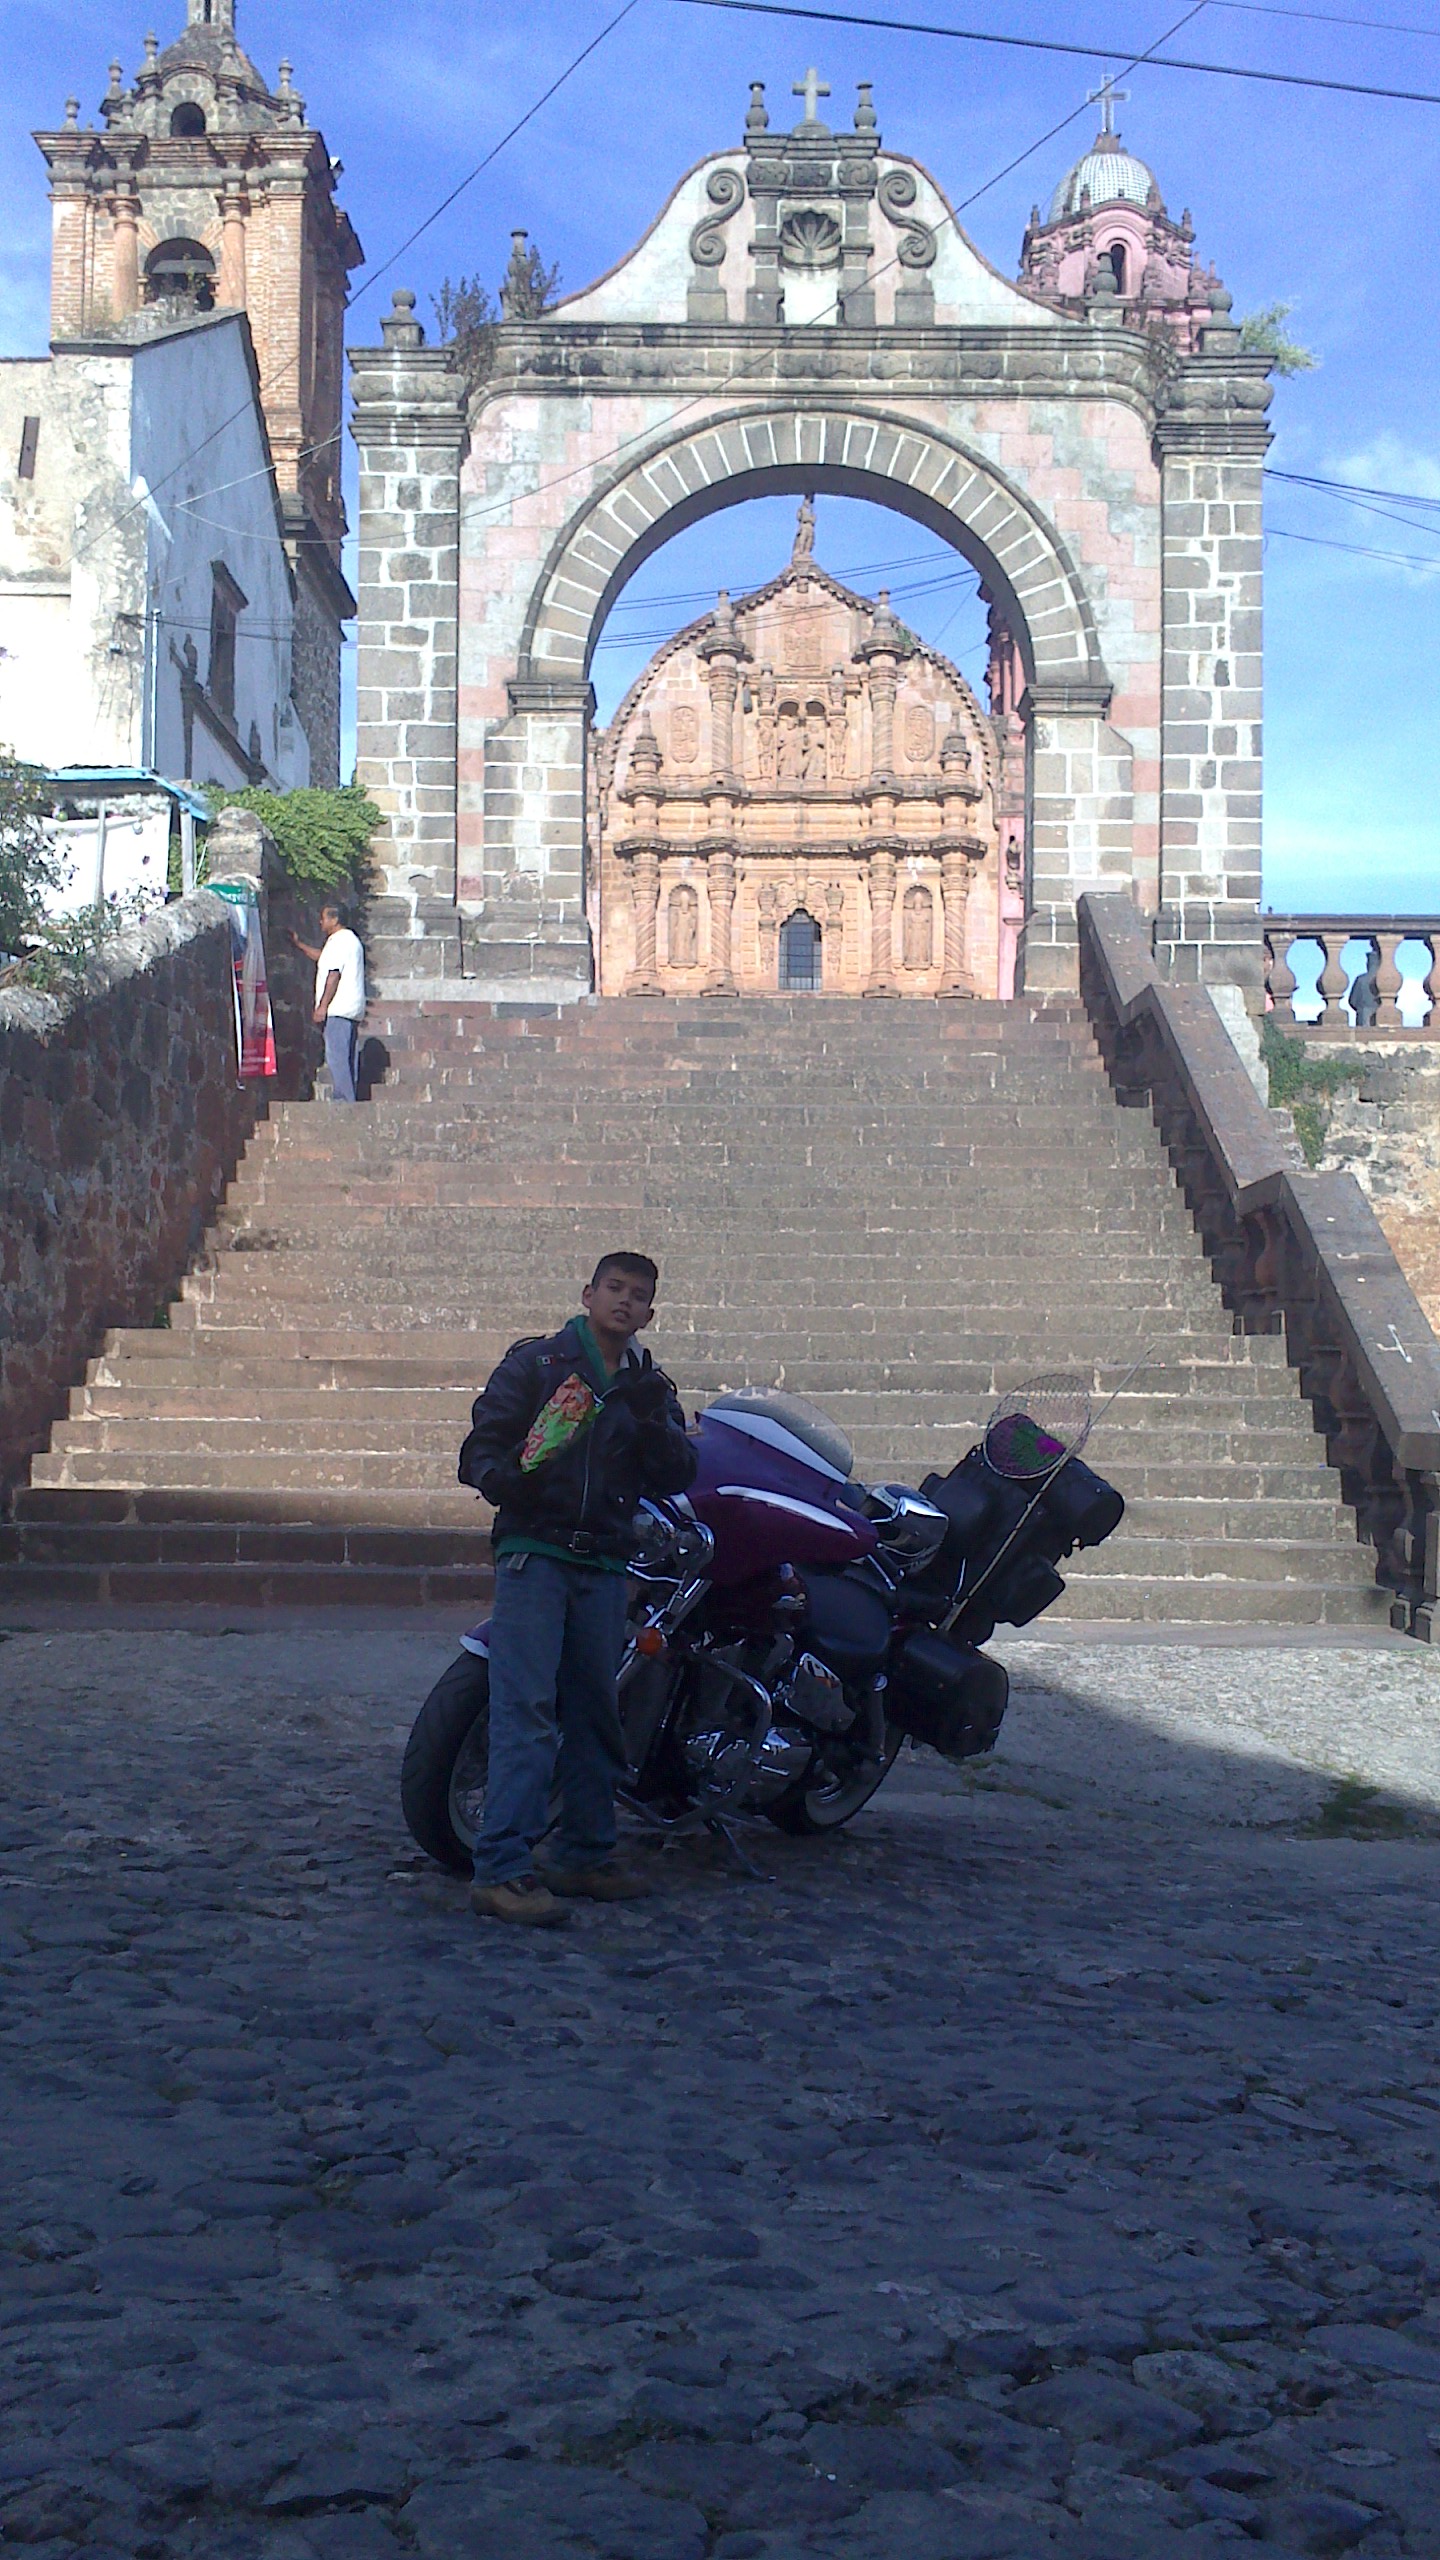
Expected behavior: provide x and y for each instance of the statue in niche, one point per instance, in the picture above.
(789, 744)
(766, 750)
(682, 914)
(812, 744)
(918, 930)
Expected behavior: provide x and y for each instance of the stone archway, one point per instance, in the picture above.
(1106, 488)
(1081, 786)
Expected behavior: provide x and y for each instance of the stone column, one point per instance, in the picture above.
(882, 922)
(644, 978)
(1082, 823)
(722, 652)
(954, 894)
(231, 290)
(409, 424)
(720, 872)
(1212, 438)
(126, 247)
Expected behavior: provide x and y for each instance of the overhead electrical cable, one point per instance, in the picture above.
(1055, 44)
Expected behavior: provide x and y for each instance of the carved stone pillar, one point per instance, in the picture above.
(882, 921)
(232, 246)
(644, 978)
(721, 874)
(1388, 982)
(722, 652)
(955, 891)
(126, 287)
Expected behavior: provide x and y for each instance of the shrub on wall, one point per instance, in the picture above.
(28, 863)
(322, 837)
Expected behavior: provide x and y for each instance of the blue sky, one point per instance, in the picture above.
(1324, 202)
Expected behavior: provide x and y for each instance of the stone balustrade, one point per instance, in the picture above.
(1381, 992)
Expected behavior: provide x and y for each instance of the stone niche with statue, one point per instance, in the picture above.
(798, 797)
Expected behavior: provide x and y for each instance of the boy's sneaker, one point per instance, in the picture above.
(522, 1899)
(609, 1883)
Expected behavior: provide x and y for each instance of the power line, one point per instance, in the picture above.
(1351, 488)
(1325, 18)
(1362, 550)
(1053, 44)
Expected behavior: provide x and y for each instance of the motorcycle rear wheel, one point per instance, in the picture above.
(447, 1758)
(826, 1804)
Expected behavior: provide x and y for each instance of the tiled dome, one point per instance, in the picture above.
(1111, 175)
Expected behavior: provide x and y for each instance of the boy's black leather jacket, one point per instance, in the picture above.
(584, 1498)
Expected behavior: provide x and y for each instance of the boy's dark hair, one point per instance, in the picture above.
(638, 1265)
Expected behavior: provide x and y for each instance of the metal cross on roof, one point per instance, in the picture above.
(812, 88)
(1107, 97)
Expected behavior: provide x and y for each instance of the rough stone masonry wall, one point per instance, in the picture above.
(120, 1119)
(1385, 1129)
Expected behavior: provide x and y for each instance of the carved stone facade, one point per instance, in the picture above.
(798, 796)
(806, 315)
(208, 190)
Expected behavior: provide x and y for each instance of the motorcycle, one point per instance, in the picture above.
(790, 1628)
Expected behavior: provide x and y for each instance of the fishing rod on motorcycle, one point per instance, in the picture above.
(1007, 1428)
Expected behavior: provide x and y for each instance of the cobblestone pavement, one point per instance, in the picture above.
(1048, 2166)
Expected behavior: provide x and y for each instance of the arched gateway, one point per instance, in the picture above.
(806, 315)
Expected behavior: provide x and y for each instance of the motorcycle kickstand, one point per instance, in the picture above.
(720, 1830)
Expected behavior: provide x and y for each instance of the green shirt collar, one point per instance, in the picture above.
(591, 1348)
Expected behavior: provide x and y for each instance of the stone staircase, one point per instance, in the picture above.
(895, 1209)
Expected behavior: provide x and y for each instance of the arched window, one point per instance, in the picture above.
(800, 955)
(188, 119)
(181, 271)
(918, 930)
(1116, 256)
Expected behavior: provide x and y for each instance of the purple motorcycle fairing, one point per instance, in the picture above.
(768, 1501)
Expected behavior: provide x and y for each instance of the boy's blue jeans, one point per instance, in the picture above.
(556, 1639)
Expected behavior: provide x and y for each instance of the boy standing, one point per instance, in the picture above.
(339, 994)
(571, 1433)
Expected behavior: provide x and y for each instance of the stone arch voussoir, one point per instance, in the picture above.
(851, 450)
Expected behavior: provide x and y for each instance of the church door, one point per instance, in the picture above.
(800, 955)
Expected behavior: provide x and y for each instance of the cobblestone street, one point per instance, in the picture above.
(1046, 2166)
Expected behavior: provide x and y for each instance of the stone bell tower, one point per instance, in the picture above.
(207, 190)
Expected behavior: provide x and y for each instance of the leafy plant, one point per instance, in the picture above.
(1263, 333)
(322, 837)
(62, 947)
(467, 316)
(466, 320)
(29, 864)
(1302, 1084)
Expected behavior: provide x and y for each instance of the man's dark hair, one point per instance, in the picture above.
(638, 1265)
(337, 908)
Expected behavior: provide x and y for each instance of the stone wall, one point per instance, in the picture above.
(1385, 1129)
(120, 1119)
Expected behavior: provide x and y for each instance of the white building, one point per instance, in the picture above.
(147, 604)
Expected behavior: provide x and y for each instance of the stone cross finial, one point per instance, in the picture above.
(812, 89)
(1107, 97)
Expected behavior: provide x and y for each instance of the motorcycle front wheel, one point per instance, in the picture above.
(446, 1764)
(826, 1804)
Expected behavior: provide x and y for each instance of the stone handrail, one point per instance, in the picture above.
(1378, 1009)
(1294, 1251)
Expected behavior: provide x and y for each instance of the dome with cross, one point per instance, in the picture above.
(1107, 173)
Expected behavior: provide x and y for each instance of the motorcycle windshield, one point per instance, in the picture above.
(768, 1497)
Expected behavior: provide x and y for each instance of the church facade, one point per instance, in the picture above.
(806, 315)
(208, 191)
(798, 797)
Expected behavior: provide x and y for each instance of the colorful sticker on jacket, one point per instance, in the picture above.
(570, 1410)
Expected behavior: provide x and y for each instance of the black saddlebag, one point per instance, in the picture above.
(949, 1695)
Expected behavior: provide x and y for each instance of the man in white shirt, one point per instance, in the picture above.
(339, 995)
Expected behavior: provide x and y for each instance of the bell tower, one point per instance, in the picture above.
(207, 190)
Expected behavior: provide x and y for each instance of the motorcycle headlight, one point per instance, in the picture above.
(908, 1527)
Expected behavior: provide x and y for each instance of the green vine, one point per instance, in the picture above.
(1303, 1085)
